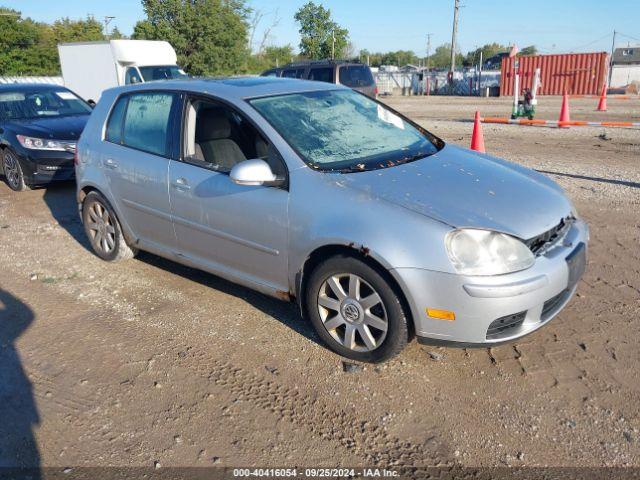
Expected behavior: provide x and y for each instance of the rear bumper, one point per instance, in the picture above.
(496, 309)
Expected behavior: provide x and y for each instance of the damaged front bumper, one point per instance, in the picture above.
(495, 309)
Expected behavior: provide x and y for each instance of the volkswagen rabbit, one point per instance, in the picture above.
(314, 193)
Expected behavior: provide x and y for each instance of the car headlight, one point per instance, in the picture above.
(483, 252)
(40, 143)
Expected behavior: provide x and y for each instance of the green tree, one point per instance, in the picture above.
(30, 48)
(530, 50)
(320, 36)
(441, 58)
(209, 36)
(270, 57)
(488, 50)
(67, 30)
(116, 34)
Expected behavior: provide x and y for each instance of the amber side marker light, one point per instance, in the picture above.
(441, 314)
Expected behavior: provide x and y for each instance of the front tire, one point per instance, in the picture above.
(103, 229)
(13, 172)
(355, 310)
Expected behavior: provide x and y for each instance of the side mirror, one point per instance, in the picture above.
(252, 172)
(91, 103)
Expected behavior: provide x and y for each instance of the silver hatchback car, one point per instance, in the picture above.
(310, 191)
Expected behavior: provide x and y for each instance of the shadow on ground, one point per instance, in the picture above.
(286, 313)
(18, 411)
(613, 181)
(60, 199)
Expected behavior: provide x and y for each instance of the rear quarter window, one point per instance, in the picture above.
(356, 76)
(116, 121)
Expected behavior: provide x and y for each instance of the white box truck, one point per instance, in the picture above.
(89, 68)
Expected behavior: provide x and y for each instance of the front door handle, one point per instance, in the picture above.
(182, 184)
(109, 163)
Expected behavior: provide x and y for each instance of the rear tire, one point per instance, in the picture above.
(13, 172)
(103, 229)
(355, 311)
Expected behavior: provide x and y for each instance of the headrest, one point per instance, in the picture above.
(212, 124)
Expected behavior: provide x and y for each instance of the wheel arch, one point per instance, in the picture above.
(362, 253)
(82, 193)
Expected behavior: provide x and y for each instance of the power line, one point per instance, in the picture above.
(629, 36)
(590, 43)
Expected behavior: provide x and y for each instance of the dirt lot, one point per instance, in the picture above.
(149, 363)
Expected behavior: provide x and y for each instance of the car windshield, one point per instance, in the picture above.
(161, 72)
(344, 130)
(30, 104)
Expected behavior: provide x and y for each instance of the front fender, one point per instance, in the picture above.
(393, 236)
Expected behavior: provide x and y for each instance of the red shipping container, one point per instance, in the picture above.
(573, 73)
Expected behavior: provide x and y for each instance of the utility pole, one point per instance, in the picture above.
(333, 44)
(107, 20)
(454, 34)
(613, 47)
(428, 50)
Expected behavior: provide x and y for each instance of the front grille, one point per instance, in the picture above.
(543, 242)
(551, 305)
(503, 326)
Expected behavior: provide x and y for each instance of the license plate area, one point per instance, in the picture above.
(577, 263)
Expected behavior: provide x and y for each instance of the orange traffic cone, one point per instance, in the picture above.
(477, 139)
(564, 112)
(602, 103)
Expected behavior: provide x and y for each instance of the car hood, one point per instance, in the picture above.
(59, 128)
(463, 188)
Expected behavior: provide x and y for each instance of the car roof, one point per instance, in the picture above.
(238, 88)
(29, 87)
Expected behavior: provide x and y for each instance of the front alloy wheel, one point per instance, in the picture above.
(13, 172)
(356, 310)
(352, 312)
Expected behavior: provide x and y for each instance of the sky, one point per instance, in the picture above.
(554, 26)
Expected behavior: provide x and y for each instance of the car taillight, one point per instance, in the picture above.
(375, 91)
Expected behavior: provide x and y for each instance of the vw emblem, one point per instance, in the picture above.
(351, 312)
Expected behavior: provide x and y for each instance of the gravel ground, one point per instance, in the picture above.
(148, 363)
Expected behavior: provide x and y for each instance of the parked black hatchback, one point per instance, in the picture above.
(349, 74)
(39, 128)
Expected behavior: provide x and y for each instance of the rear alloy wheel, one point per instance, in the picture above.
(13, 172)
(355, 311)
(103, 229)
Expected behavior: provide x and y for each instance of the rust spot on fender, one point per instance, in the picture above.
(282, 295)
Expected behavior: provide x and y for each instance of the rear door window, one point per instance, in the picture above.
(355, 76)
(321, 74)
(147, 120)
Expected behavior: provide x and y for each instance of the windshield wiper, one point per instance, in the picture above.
(363, 167)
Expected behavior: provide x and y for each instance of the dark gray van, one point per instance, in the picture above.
(350, 74)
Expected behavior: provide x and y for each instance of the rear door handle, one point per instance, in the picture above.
(109, 163)
(182, 184)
